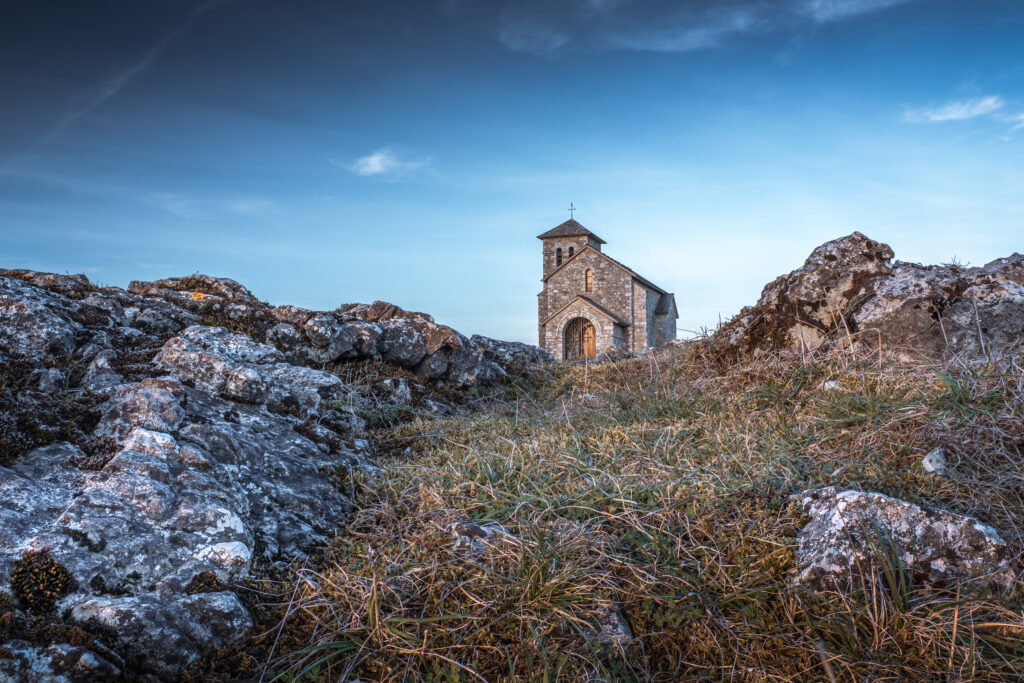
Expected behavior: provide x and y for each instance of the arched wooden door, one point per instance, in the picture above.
(580, 339)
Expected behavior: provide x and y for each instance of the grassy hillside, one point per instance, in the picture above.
(660, 487)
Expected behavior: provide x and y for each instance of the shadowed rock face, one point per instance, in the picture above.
(938, 308)
(850, 291)
(195, 450)
(851, 533)
(196, 483)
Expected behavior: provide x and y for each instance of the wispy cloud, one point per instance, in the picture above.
(190, 207)
(121, 79)
(548, 26)
(959, 110)
(833, 10)
(527, 36)
(384, 163)
(1016, 119)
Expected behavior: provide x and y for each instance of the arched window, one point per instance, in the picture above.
(570, 251)
(558, 256)
(590, 280)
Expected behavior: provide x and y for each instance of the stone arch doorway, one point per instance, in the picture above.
(580, 339)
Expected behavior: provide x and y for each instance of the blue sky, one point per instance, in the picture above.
(324, 152)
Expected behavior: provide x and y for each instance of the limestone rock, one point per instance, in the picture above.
(100, 375)
(156, 321)
(796, 311)
(31, 322)
(59, 663)
(54, 282)
(515, 355)
(848, 290)
(613, 355)
(935, 462)
(197, 484)
(851, 531)
(476, 537)
(610, 627)
(380, 311)
(197, 289)
(939, 308)
(330, 339)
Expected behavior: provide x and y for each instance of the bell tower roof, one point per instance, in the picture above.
(570, 228)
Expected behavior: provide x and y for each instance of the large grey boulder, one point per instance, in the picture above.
(231, 364)
(511, 355)
(851, 533)
(195, 291)
(849, 290)
(21, 661)
(194, 484)
(798, 310)
(33, 322)
(940, 308)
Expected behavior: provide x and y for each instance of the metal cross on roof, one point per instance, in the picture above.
(571, 210)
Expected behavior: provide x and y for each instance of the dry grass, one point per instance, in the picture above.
(660, 486)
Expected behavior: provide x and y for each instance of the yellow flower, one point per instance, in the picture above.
(197, 296)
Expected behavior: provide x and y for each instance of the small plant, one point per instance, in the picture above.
(384, 417)
(195, 284)
(286, 406)
(205, 582)
(39, 581)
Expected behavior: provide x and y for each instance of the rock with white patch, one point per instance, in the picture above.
(935, 462)
(853, 535)
(20, 662)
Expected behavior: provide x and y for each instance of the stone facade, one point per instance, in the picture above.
(622, 310)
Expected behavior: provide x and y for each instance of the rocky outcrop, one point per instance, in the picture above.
(850, 291)
(59, 663)
(383, 331)
(194, 484)
(939, 308)
(854, 536)
(180, 434)
(511, 355)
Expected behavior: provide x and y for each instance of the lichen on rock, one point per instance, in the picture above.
(853, 536)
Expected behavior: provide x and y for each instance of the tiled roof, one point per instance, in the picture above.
(570, 228)
(665, 305)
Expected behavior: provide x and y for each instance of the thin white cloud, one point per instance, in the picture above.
(712, 32)
(535, 37)
(546, 27)
(959, 110)
(384, 163)
(118, 81)
(1016, 119)
(833, 10)
(178, 204)
(250, 206)
(189, 207)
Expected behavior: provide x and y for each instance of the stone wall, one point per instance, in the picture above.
(604, 328)
(652, 299)
(665, 324)
(611, 285)
(552, 245)
(639, 320)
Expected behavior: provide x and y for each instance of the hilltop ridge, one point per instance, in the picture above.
(197, 485)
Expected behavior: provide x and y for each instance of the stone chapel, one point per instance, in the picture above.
(591, 303)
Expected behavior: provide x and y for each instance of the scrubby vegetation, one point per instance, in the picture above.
(38, 581)
(26, 424)
(658, 489)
